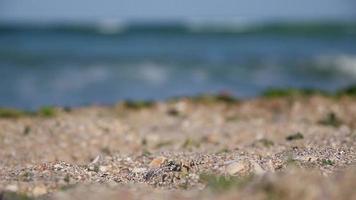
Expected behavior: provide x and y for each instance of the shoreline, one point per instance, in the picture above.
(224, 96)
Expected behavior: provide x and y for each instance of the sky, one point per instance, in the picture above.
(150, 10)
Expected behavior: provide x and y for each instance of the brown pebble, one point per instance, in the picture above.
(157, 162)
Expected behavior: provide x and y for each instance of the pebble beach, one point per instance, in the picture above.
(299, 147)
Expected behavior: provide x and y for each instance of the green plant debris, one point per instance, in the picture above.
(173, 112)
(291, 161)
(233, 118)
(137, 105)
(327, 162)
(94, 168)
(67, 178)
(14, 196)
(266, 142)
(184, 185)
(163, 144)
(331, 120)
(271, 191)
(68, 187)
(27, 130)
(190, 143)
(146, 152)
(222, 183)
(297, 136)
(292, 92)
(144, 142)
(67, 109)
(224, 150)
(47, 111)
(348, 91)
(211, 98)
(11, 113)
(106, 150)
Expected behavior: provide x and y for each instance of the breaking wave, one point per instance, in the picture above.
(122, 28)
(345, 64)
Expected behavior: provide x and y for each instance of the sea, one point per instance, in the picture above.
(103, 63)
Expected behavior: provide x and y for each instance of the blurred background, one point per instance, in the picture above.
(73, 53)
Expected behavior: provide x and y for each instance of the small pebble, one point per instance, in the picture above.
(257, 169)
(138, 170)
(238, 167)
(157, 162)
(103, 168)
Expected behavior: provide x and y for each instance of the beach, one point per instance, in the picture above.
(211, 147)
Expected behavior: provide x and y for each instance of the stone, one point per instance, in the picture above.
(103, 168)
(257, 169)
(157, 162)
(138, 170)
(238, 167)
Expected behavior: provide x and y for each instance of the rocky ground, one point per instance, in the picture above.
(188, 148)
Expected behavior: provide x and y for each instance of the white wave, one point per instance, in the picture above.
(153, 74)
(343, 63)
(110, 26)
(75, 79)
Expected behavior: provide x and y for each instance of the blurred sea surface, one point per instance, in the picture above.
(73, 65)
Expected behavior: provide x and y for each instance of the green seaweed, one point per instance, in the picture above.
(306, 92)
(271, 191)
(163, 144)
(348, 91)
(27, 130)
(327, 162)
(14, 196)
(296, 136)
(266, 142)
(144, 141)
(106, 150)
(190, 143)
(292, 92)
(211, 98)
(146, 152)
(290, 161)
(11, 113)
(331, 120)
(173, 112)
(224, 150)
(47, 111)
(66, 178)
(68, 187)
(233, 118)
(137, 105)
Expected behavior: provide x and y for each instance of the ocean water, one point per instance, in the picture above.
(74, 65)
